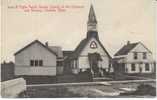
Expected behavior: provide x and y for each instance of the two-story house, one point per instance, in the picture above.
(135, 58)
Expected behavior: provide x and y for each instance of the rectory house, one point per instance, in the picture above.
(134, 58)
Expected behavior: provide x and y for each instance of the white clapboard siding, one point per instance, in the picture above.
(83, 58)
(35, 52)
(28, 70)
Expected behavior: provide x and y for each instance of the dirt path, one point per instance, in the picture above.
(106, 83)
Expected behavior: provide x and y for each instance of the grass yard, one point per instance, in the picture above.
(90, 91)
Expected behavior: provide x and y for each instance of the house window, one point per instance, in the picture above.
(135, 55)
(147, 67)
(36, 62)
(133, 67)
(126, 69)
(76, 64)
(59, 63)
(144, 55)
(31, 62)
(40, 63)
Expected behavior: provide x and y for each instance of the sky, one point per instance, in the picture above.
(119, 21)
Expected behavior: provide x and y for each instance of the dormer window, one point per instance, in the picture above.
(144, 55)
(135, 55)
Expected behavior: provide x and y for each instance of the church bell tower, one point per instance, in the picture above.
(92, 24)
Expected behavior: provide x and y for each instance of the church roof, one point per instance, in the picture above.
(126, 48)
(91, 16)
(67, 53)
(35, 41)
(82, 44)
(90, 34)
(79, 48)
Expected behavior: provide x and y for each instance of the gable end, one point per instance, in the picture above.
(36, 41)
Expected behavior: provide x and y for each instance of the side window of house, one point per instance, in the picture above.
(76, 64)
(135, 55)
(147, 67)
(126, 69)
(36, 62)
(31, 62)
(133, 67)
(144, 55)
(72, 64)
(40, 63)
(59, 63)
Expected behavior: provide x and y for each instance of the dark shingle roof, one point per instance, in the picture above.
(82, 44)
(57, 50)
(126, 48)
(35, 41)
(67, 53)
(79, 48)
(91, 16)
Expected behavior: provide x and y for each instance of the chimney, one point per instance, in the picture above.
(128, 42)
(46, 44)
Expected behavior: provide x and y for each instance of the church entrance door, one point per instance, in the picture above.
(94, 59)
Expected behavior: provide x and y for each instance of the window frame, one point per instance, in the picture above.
(32, 63)
(40, 62)
(35, 62)
(133, 67)
(59, 63)
(144, 55)
(147, 67)
(135, 55)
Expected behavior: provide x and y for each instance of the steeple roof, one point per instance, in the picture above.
(91, 16)
(92, 24)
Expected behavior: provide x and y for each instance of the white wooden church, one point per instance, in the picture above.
(90, 54)
(38, 59)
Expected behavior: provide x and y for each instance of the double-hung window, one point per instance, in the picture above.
(36, 62)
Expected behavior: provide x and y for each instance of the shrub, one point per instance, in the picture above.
(85, 76)
(143, 90)
(48, 92)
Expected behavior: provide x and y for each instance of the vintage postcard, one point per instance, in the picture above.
(78, 49)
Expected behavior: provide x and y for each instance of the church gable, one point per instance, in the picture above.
(92, 46)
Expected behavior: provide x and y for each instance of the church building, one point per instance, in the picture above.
(90, 54)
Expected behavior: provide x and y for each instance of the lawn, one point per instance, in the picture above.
(90, 91)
